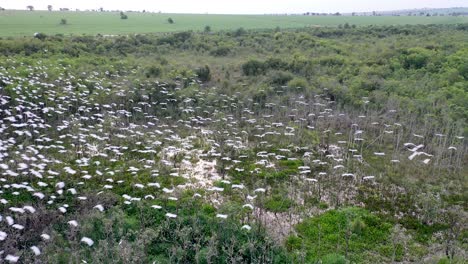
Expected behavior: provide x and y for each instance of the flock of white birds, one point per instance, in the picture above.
(64, 138)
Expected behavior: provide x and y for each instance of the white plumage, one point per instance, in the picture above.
(88, 241)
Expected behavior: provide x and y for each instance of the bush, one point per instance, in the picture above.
(253, 68)
(280, 77)
(220, 51)
(63, 21)
(170, 21)
(334, 259)
(153, 71)
(298, 82)
(40, 36)
(278, 203)
(293, 243)
(276, 64)
(368, 232)
(203, 73)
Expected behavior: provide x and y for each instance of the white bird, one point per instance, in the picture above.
(416, 153)
(246, 227)
(45, 236)
(72, 191)
(99, 207)
(10, 220)
(17, 210)
(29, 209)
(39, 195)
(248, 206)
(73, 223)
(3, 235)
(17, 226)
(36, 250)
(260, 190)
(416, 148)
(251, 197)
(167, 190)
(11, 258)
(88, 241)
(171, 215)
(156, 206)
(223, 216)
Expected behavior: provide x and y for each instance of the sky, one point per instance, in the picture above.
(238, 6)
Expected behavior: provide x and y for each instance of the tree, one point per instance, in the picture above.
(63, 21)
(170, 20)
(455, 219)
(30, 8)
(49, 7)
(123, 16)
(207, 29)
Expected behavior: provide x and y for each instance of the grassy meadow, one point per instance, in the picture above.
(25, 23)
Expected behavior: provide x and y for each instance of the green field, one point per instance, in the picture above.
(26, 23)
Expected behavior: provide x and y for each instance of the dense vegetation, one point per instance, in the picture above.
(277, 146)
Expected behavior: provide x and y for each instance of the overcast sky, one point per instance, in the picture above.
(238, 6)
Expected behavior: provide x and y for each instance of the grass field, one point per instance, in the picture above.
(25, 23)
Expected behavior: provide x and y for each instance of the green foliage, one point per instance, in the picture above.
(203, 73)
(416, 58)
(293, 243)
(334, 258)
(366, 232)
(40, 36)
(298, 82)
(123, 15)
(153, 71)
(278, 203)
(253, 68)
(280, 77)
(221, 51)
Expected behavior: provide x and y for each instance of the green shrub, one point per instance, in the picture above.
(293, 243)
(278, 203)
(220, 51)
(203, 73)
(280, 77)
(333, 259)
(253, 68)
(298, 82)
(367, 232)
(153, 71)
